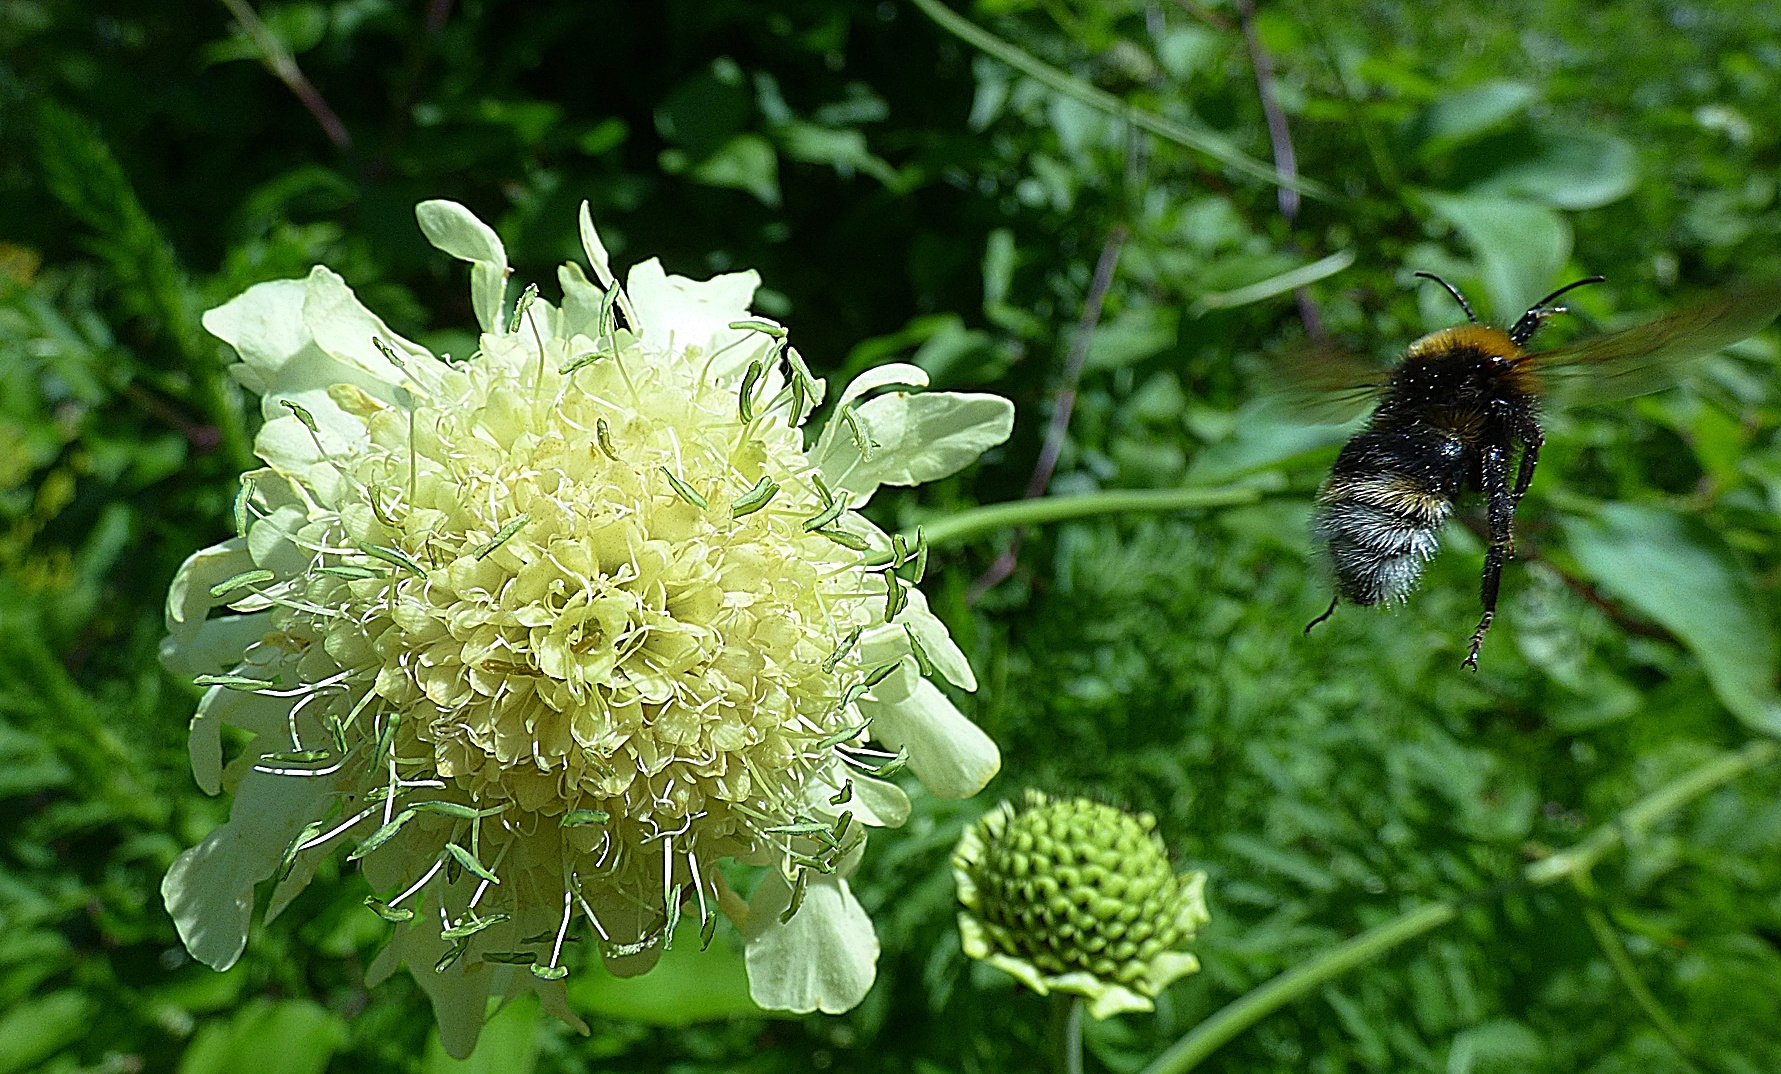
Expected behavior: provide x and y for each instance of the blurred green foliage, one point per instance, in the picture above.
(905, 197)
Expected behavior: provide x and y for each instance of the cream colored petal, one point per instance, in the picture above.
(455, 230)
(217, 645)
(914, 439)
(238, 708)
(824, 959)
(345, 330)
(950, 755)
(594, 248)
(675, 312)
(878, 803)
(581, 303)
(948, 659)
(209, 891)
(265, 326)
(188, 598)
(837, 433)
(287, 445)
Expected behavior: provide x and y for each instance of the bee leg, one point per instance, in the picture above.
(1524, 475)
(1327, 612)
(1500, 507)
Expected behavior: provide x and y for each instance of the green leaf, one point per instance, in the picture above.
(1584, 170)
(1674, 569)
(294, 1036)
(36, 1029)
(746, 162)
(1460, 117)
(1520, 246)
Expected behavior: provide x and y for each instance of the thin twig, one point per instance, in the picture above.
(283, 65)
(1060, 415)
(1285, 159)
(1622, 964)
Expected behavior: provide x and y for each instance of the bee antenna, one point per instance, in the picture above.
(1537, 313)
(1454, 291)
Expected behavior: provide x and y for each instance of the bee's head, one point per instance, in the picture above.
(1531, 321)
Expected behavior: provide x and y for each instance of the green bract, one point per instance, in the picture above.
(1075, 896)
(549, 633)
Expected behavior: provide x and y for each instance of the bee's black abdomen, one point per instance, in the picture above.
(1381, 510)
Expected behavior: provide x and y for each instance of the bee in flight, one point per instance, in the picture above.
(1461, 411)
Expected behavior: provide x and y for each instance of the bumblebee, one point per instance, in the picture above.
(1461, 413)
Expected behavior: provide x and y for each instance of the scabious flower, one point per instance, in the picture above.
(553, 630)
(1075, 896)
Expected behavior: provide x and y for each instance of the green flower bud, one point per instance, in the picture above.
(1077, 896)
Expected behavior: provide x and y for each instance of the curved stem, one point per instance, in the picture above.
(976, 522)
(1213, 145)
(1248, 1009)
(1609, 941)
(1066, 1032)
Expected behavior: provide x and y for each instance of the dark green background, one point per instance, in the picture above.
(902, 196)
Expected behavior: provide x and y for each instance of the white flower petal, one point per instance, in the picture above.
(344, 329)
(456, 230)
(909, 376)
(948, 659)
(209, 891)
(238, 708)
(581, 303)
(287, 444)
(216, 647)
(950, 755)
(915, 439)
(675, 312)
(878, 803)
(189, 599)
(265, 326)
(594, 248)
(823, 959)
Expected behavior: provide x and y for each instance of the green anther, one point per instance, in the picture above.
(608, 318)
(392, 914)
(895, 596)
(470, 926)
(879, 559)
(468, 861)
(581, 361)
(853, 542)
(234, 682)
(759, 326)
(899, 550)
(550, 973)
(296, 757)
(510, 958)
(830, 514)
(242, 579)
(921, 654)
(581, 818)
(394, 556)
(858, 429)
(755, 498)
(846, 734)
(388, 352)
(671, 900)
(503, 535)
(921, 556)
(456, 952)
(337, 730)
(880, 673)
(822, 489)
(841, 823)
(382, 835)
(685, 491)
(894, 765)
(745, 397)
(303, 416)
(829, 662)
(454, 810)
(239, 508)
(706, 932)
(351, 572)
(526, 298)
(289, 858)
(603, 436)
(803, 827)
(844, 795)
(798, 398)
(797, 897)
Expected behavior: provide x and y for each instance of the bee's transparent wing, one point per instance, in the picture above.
(1655, 355)
(1322, 382)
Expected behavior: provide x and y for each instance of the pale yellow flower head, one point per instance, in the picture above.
(552, 630)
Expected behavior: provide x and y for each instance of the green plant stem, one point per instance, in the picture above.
(975, 522)
(1063, 82)
(1066, 1032)
(1252, 1007)
(1609, 941)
